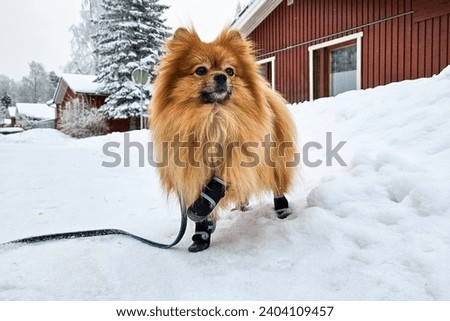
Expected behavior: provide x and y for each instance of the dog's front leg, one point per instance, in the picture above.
(200, 210)
(211, 194)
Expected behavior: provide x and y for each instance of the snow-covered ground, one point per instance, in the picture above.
(376, 229)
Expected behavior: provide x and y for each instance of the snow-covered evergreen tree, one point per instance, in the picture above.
(5, 102)
(8, 85)
(130, 35)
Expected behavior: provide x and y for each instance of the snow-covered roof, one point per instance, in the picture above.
(82, 83)
(254, 14)
(79, 84)
(37, 111)
(12, 111)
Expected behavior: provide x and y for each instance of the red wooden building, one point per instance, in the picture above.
(317, 48)
(78, 91)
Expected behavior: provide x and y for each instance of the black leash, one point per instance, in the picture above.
(92, 233)
(198, 212)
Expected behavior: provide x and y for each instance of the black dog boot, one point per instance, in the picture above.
(213, 192)
(202, 236)
(281, 206)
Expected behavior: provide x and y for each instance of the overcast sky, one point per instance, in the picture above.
(39, 29)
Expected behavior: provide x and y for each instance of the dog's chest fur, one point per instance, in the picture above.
(217, 127)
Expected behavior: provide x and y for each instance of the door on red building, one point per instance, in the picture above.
(335, 67)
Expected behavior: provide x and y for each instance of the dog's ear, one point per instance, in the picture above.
(182, 39)
(182, 34)
(235, 40)
(230, 35)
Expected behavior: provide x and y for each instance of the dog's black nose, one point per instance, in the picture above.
(220, 79)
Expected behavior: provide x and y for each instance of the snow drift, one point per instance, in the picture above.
(376, 229)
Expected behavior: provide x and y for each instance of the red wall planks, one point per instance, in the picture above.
(397, 43)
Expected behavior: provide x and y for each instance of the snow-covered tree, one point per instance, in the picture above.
(8, 85)
(35, 88)
(53, 82)
(3, 114)
(5, 102)
(130, 35)
(84, 59)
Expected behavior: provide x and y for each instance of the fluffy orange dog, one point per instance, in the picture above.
(221, 133)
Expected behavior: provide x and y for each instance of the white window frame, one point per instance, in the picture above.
(272, 65)
(330, 43)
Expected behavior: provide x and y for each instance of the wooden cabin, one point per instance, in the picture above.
(76, 90)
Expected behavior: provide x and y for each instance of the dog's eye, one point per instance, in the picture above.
(229, 71)
(201, 71)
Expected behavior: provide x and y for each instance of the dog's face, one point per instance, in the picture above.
(216, 85)
(213, 74)
(210, 70)
(211, 89)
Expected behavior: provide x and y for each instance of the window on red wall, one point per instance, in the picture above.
(342, 69)
(335, 66)
(266, 71)
(335, 70)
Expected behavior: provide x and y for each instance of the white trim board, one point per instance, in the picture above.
(257, 11)
(272, 61)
